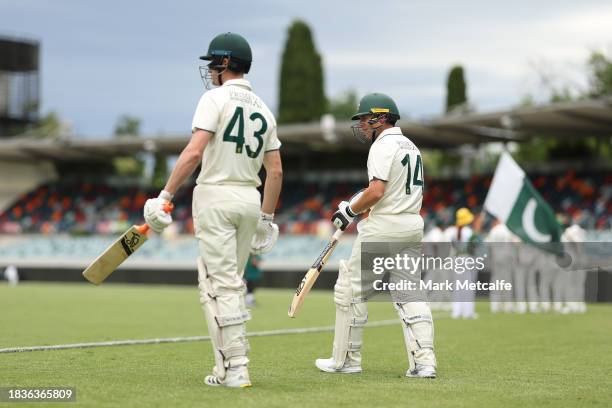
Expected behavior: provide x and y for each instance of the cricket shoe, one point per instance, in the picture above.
(235, 377)
(329, 366)
(422, 371)
(521, 307)
(534, 307)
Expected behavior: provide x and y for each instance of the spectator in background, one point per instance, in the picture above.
(252, 275)
(463, 238)
(503, 260)
(11, 275)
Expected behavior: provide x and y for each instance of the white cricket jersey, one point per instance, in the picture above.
(434, 235)
(574, 233)
(455, 235)
(500, 233)
(244, 129)
(394, 159)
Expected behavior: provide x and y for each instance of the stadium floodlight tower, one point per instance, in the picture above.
(19, 84)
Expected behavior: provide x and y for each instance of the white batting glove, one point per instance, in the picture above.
(154, 214)
(343, 217)
(265, 236)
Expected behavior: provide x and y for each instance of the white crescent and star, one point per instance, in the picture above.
(529, 223)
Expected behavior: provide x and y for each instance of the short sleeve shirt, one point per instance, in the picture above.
(244, 129)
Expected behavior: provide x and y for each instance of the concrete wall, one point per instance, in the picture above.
(19, 177)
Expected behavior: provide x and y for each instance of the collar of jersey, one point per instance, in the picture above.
(391, 131)
(238, 82)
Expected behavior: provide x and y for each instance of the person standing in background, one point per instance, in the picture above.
(252, 276)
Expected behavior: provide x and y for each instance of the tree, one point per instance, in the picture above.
(301, 98)
(127, 126)
(344, 106)
(132, 166)
(49, 126)
(600, 75)
(160, 170)
(455, 89)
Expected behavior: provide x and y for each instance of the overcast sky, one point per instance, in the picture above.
(103, 59)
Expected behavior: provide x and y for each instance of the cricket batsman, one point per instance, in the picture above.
(233, 135)
(394, 196)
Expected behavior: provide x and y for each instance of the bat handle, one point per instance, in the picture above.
(144, 228)
(168, 207)
(337, 234)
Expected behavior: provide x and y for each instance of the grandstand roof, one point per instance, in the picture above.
(561, 120)
(589, 117)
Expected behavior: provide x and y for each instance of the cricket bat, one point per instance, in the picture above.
(312, 274)
(118, 251)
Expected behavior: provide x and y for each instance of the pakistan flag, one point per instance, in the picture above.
(514, 200)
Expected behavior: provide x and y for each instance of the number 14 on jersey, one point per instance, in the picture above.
(417, 179)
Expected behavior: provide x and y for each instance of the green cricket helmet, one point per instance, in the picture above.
(376, 104)
(380, 106)
(231, 45)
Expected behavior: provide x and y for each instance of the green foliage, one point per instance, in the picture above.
(127, 126)
(599, 72)
(440, 163)
(534, 150)
(49, 126)
(600, 75)
(527, 101)
(160, 171)
(128, 166)
(455, 88)
(563, 94)
(301, 98)
(343, 106)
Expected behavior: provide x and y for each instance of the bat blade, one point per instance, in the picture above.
(115, 254)
(302, 290)
(311, 276)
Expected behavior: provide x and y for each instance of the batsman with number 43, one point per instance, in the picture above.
(233, 135)
(394, 196)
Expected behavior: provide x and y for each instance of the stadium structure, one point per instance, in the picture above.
(19, 83)
(61, 204)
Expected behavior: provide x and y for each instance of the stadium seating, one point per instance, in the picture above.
(102, 208)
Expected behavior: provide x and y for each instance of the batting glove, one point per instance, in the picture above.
(265, 236)
(154, 214)
(343, 217)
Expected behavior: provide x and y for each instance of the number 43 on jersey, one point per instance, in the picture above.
(229, 136)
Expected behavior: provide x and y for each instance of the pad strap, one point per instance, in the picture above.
(233, 319)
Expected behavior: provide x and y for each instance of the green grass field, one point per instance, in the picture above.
(497, 360)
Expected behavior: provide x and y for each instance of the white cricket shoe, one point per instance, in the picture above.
(422, 371)
(534, 307)
(521, 307)
(329, 366)
(249, 300)
(235, 377)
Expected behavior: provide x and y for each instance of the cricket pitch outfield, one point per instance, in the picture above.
(494, 361)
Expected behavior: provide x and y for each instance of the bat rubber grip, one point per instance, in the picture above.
(337, 234)
(144, 228)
